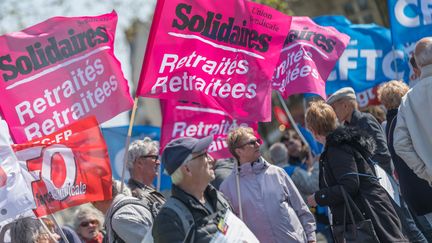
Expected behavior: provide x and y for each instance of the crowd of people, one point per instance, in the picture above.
(283, 198)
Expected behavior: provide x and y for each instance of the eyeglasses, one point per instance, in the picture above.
(252, 142)
(199, 155)
(87, 223)
(153, 157)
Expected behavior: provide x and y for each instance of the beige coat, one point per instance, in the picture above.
(413, 132)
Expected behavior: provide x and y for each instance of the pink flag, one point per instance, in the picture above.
(184, 119)
(309, 55)
(213, 52)
(59, 71)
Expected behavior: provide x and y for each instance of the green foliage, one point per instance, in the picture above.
(280, 5)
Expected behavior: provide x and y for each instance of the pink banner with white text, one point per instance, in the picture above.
(59, 71)
(185, 119)
(309, 55)
(207, 51)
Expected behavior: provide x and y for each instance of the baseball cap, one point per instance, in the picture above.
(179, 149)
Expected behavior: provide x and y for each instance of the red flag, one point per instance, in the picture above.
(68, 168)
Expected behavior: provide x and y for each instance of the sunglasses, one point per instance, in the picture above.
(87, 223)
(199, 155)
(252, 142)
(153, 157)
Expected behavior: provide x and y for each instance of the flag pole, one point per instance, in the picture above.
(50, 233)
(291, 119)
(158, 182)
(60, 229)
(238, 190)
(131, 122)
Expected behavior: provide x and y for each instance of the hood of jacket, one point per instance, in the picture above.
(354, 137)
(255, 167)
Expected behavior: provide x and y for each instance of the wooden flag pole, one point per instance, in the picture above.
(50, 234)
(131, 123)
(62, 234)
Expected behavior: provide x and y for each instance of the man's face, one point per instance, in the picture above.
(248, 148)
(148, 165)
(341, 109)
(202, 166)
(88, 228)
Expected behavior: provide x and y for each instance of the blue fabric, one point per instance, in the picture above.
(290, 169)
(115, 138)
(408, 25)
(315, 146)
(367, 60)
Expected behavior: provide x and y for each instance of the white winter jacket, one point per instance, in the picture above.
(413, 132)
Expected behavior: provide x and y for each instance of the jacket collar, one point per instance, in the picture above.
(190, 201)
(134, 183)
(426, 71)
(391, 114)
(355, 116)
(255, 167)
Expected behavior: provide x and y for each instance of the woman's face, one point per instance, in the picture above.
(89, 228)
(294, 147)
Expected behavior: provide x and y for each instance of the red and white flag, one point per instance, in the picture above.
(68, 168)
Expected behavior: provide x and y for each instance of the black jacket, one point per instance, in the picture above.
(139, 190)
(368, 123)
(167, 227)
(341, 163)
(410, 184)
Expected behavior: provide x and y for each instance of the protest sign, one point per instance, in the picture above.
(232, 230)
(67, 168)
(16, 198)
(191, 120)
(59, 71)
(307, 58)
(202, 51)
(367, 61)
(409, 22)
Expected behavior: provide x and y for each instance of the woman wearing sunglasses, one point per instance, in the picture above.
(88, 225)
(270, 203)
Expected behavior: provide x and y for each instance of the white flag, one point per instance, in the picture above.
(16, 198)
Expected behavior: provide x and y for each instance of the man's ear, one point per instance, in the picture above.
(186, 171)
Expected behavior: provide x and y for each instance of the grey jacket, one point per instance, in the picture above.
(413, 133)
(130, 222)
(272, 206)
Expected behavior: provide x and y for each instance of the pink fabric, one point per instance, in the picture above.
(213, 52)
(309, 54)
(190, 120)
(59, 71)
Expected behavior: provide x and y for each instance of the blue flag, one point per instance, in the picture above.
(410, 21)
(115, 138)
(367, 61)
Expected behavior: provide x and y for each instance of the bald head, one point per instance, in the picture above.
(423, 52)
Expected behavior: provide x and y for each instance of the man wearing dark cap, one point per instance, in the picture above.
(188, 215)
(345, 105)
